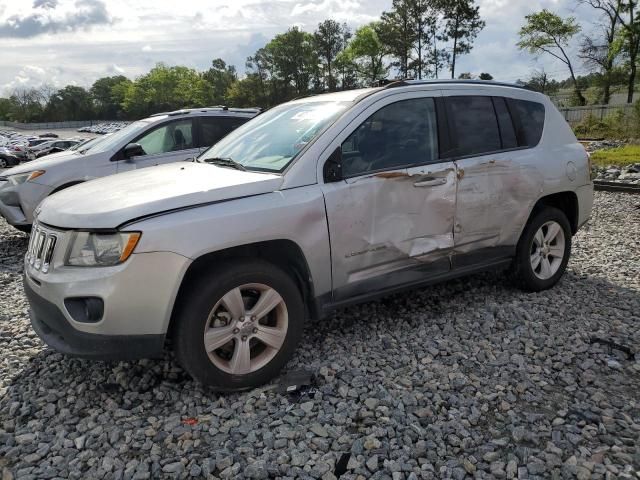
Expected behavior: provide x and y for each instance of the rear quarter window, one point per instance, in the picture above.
(530, 121)
(474, 125)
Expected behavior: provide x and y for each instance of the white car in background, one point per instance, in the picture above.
(162, 138)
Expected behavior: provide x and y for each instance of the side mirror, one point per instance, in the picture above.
(332, 171)
(133, 150)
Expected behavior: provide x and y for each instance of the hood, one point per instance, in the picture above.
(43, 163)
(111, 201)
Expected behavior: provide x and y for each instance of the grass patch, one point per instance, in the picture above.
(626, 155)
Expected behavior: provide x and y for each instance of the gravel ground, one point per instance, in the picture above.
(471, 378)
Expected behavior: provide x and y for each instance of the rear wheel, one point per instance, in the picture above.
(239, 325)
(3, 162)
(543, 250)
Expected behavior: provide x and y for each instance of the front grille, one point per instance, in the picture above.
(42, 245)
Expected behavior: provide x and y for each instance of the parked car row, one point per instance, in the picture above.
(316, 204)
(16, 147)
(104, 128)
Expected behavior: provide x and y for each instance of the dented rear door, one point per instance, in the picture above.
(497, 180)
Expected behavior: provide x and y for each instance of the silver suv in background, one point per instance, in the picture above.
(311, 206)
(161, 138)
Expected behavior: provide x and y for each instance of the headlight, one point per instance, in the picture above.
(101, 249)
(24, 177)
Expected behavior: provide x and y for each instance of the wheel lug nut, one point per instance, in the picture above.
(244, 338)
(255, 330)
(253, 319)
(236, 330)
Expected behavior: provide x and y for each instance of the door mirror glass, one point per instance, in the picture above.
(134, 150)
(332, 171)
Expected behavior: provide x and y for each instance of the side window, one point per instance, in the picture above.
(474, 125)
(170, 137)
(531, 121)
(399, 135)
(505, 122)
(212, 129)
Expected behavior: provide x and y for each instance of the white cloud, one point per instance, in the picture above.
(128, 37)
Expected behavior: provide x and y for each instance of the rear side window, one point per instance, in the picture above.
(474, 125)
(212, 129)
(529, 121)
(401, 134)
(507, 130)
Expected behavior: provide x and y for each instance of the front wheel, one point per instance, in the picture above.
(238, 325)
(543, 250)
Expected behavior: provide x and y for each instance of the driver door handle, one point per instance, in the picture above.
(430, 182)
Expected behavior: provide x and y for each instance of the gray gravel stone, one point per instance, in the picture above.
(469, 379)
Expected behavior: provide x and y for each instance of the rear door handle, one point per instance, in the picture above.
(430, 182)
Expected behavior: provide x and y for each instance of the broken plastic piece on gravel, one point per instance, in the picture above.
(296, 381)
(613, 346)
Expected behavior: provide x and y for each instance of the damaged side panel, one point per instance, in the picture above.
(387, 223)
(495, 196)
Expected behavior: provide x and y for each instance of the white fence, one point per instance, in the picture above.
(577, 114)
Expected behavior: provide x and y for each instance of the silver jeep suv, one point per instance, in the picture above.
(311, 206)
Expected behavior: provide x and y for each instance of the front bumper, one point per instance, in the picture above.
(18, 202)
(138, 298)
(53, 328)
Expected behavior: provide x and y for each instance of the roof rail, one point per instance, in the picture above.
(408, 83)
(224, 108)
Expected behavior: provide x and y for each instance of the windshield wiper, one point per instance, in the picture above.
(226, 162)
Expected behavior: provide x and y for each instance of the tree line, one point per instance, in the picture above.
(414, 39)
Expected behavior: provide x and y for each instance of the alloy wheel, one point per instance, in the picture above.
(547, 250)
(246, 329)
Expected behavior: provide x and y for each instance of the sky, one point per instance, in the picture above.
(60, 42)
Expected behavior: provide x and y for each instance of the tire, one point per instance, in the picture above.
(4, 163)
(211, 305)
(531, 275)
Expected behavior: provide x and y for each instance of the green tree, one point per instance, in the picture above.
(397, 31)
(5, 109)
(26, 105)
(546, 32)
(220, 77)
(70, 103)
(539, 82)
(486, 76)
(462, 26)
(165, 88)
(601, 53)
(247, 92)
(329, 40)
(410, 32)
(630, 23)
(367, 52)
(107, 93)
(293, 59)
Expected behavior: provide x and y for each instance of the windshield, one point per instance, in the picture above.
(116, 138)
(272, 140)
(88, 145)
